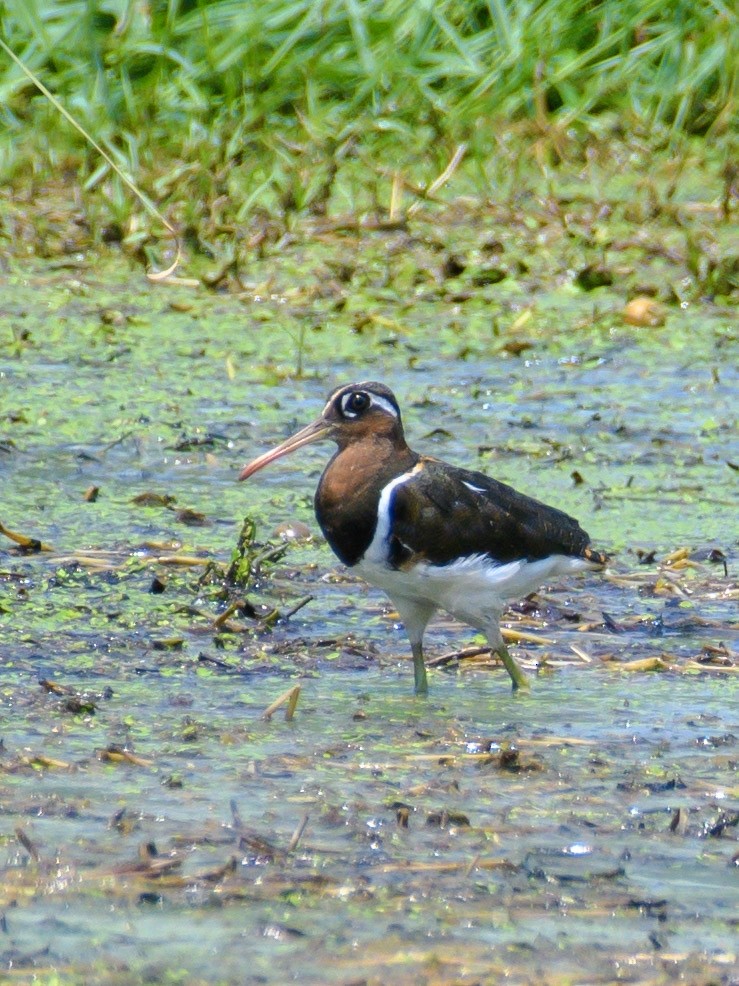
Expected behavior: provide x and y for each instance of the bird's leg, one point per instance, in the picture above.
(415, 615)
(518, 678)
(419, 669)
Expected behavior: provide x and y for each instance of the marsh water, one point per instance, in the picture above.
(154, 826)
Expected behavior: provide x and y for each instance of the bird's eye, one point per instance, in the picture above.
(356, 402)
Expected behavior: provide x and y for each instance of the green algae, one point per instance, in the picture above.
(569, 863)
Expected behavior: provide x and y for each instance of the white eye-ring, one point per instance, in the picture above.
(357, 402)
(385, 404)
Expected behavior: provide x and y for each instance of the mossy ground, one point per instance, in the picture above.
(584, 830)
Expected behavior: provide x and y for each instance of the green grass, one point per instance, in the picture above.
(227, 110)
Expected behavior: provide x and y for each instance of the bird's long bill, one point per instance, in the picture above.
(312, 433)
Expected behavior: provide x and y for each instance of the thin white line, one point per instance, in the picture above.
(384, 403)
(377, 550)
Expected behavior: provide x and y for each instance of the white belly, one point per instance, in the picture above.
(473, 589)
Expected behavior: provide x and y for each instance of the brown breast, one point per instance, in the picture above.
(349, 492)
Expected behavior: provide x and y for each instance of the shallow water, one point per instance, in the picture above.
(569, 858)
(545, 865)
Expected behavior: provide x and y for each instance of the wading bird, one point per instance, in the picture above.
(430, 535)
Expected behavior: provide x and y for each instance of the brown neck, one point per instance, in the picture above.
(349, 492)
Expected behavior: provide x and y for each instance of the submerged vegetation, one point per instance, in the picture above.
(521, 215)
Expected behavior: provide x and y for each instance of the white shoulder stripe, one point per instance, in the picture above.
(475, 489)
(377, 550)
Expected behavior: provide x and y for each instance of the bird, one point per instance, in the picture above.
(431, 535)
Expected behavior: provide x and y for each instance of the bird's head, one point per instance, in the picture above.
(356, 412)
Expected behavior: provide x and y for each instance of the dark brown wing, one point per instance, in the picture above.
(443, 513)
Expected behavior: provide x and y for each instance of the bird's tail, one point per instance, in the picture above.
(596, 558)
